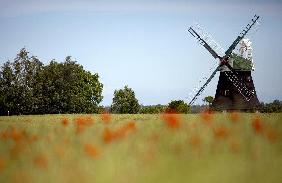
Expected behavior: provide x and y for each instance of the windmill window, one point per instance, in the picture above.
(248, 79)
(226, 92)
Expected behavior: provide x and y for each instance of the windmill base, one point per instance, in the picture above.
(227, 96)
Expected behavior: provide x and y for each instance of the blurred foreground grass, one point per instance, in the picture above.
(237, 147)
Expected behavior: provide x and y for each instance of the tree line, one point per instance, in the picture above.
(125, 101)
(272, 107)
(27, 86)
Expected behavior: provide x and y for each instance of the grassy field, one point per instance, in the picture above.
(203, 147)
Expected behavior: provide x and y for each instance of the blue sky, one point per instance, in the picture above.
(144, 44)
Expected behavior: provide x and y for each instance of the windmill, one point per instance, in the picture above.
(235, 89)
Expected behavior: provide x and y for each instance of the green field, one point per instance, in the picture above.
(141, 148)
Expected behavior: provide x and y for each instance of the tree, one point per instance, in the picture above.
(179, 106)
(6, 90)
(68, 88)
(208, 99)
(18, 81)
(124, 101)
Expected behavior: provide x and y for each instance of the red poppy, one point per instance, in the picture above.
(195, 141)
(90, 150)
(271, 135)
(17, 149)
(41, 161)
(234, 116)
(221, 131)
(257, 125)
(171, 119)
(108, 135)
(14, 134)
(130, 126)
(83, 122)
(65, 122)
(207, 116)
(106, 117)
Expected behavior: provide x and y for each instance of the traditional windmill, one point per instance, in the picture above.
(235, 88)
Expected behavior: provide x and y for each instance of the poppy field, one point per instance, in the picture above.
(205, 147)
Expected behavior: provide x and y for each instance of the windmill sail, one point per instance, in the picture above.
(241, 36)
(203, 42)
(204, 86)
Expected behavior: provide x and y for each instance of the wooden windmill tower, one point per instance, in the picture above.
(235, 89)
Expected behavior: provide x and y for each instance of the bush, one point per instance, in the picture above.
(125, 102)
(179, 106)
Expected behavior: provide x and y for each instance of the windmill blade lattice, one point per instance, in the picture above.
(240, 86)
(204, 86)
(241, 36)
(205, 37)
(254, 29)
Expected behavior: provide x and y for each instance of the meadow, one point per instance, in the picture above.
(206, 147)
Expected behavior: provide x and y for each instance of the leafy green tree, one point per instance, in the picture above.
(68, 88)
(125, 102)
(6, 90)
(17, 84)
(208, 99)
(179, 106)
